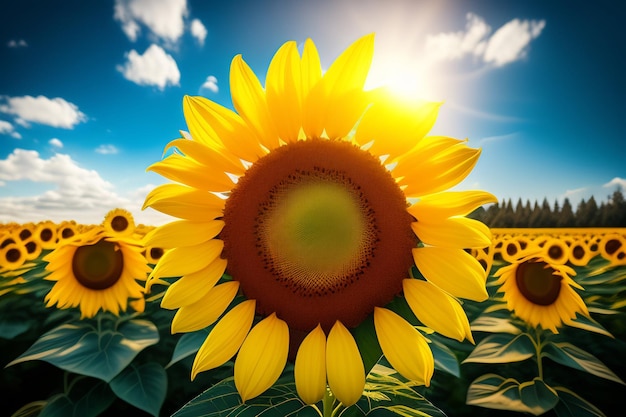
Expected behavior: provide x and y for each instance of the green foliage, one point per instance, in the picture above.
(98, 351)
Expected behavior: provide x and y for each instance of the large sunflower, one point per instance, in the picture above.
(302, 197)
(95, 271)
(540, 291)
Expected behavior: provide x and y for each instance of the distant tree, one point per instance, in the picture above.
(587, 213)
(614, 212)
(566, 217)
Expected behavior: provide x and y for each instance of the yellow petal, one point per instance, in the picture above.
(310, 66)
(283, 90)
(450, 203)
(453, 270)
(185, 202)
(262, 357)
(339, 89)
(225, 339)
(185, 260)
(207, 119)
(194, 174)
(434, 165)
(344, 366)
(206, 310)
(192, 287)
(395, 125)
(248, 99)
(218, 158)
(349, 71)
(310, 367)
(455, 232)
(436, 309)
(183, 233)
(403, 346)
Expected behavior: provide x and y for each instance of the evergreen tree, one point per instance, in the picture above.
(566, 216)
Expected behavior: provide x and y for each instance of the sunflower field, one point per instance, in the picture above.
(318, 263)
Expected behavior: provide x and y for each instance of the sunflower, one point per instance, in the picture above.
(302, 196)
(541, 292)
(95, 271)
(46, 234)
(119, 222)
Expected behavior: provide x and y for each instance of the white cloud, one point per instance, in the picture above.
(198, 30)
(19, 43)
(56, 142)
(54, 112)
(210, 84)
(107, 150)
(456, 45)
(575, 192)
(164, 18)
(7, 128)
(155, 67)
(616, 182)
(508, 44)
(76, 193)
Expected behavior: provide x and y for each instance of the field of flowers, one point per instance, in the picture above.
(78, 344)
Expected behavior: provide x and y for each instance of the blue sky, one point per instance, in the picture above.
(91, 92)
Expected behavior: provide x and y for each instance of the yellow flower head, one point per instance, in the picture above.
(119, 222)
(95, 271)
(540, 291)
(302, 196)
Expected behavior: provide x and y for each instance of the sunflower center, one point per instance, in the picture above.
(119, 223)
(46, 235)
(317, 231)
(98, 266)
(537, 283)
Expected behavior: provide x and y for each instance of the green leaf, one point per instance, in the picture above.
(496, 392)
(538, 396)
(569, 355)
(572, 405)
(589, 324)
(222, 399)
(445, 359)
(492, 324)
(387, 393)
(502, 348)
(187, 345)
(91, 403)
(143, 386)
(365, 337)
(83, 349)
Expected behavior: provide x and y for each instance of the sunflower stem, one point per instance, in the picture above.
(328, 403)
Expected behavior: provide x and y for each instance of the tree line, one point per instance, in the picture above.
(611, 213)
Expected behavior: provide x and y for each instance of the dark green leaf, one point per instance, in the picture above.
(143, 386)
(187, 345)
(538, 396)
(502, 348)
(81, 348)
(89, 402)
(445, 359)
(366, 340)
(223, 400)
(569, 355)
(572, 405)
(496, 392)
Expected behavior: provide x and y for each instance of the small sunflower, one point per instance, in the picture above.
(119, 222)
(302, 196)
(12, 256)
(95, 271)
(46, 234)
(541, 292)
